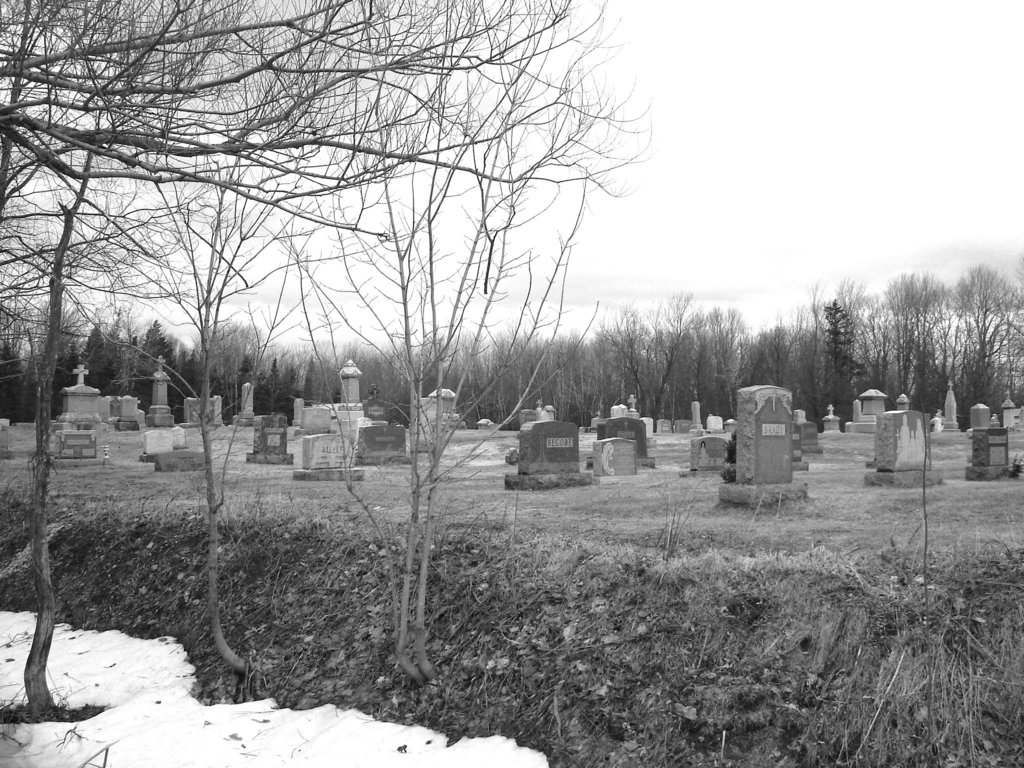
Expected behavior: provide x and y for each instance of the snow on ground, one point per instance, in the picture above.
(153, 721)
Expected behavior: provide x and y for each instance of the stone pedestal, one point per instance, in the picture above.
(761, 495)
(81, 404)
(906, 478)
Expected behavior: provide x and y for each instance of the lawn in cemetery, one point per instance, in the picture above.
(636, 621)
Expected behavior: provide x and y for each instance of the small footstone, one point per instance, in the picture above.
(328, 474)
(270, 458)
(905, 478)
(548, 482)
(745, 495)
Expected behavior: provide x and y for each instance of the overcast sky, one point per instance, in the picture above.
(803, 142)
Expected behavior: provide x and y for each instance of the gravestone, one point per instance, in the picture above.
(316, 420)
(298, 404)
(246, 415)
(866, 411)
(326, 457)
(649, 424)
(981, 415)
(628, 429)
(1009, 413)
(729, 426)
(549, 458)
(831, 422)
(764, 449)
(708, 453)
(155, 442)
(664, 425)
(127, 420)
(695, 414)
(949, 417)
(104, 404)
(618, 411)
(614, 457)
(382, 444)
(159, 412)
(179, 441)
(715, 424)
(179, 461)
(81, 404)
(809, 438)
(270, 441)
(799, 416)
(903, 403)
(5, 441)
(375, 410)
(799, 465)
(902, 451)
(527, 416)
(213, 411)
(990, 455)
(76, 444)
(682, 426)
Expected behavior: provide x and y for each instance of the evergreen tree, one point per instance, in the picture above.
(101, 357)
(11, 381)
(841, 367)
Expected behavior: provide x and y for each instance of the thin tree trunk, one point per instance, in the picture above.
(36, 689)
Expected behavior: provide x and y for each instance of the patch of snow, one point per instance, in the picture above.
(153, 720)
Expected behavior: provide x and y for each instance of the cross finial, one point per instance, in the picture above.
(81, 370)
(160, 363)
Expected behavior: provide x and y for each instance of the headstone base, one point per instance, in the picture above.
(126, 425)
(179, 461)
(987, 473)
(159, 416)
(646, 462)
(815, 449)
(860, 427)
(717, 468)
(800, 466)
(380, 461)
(904, 478)
(743, 495)
(328, 474)
(548, 482)
(243, 420)
(270, 458)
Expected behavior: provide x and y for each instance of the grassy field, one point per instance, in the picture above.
(636, 622)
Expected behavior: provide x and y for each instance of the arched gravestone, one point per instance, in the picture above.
(764, 449)
(549, 457)
(628, 429)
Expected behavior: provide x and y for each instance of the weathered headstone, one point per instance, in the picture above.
(549, 458)
(831, 422)
(682, 426)
(629, 429)
(614, 456)
(809, 438)
(270, 441)
(179, 461)
(902, 451)
(799, 465)
(695, 414)
(990, 456)
(708, 453)
(155, 442)
(316, 420)
(729, 425)
(81, 404)
(298, 404)
(981, 414)
(179, 439)
(193, 408)
(326, 457)
(903, 403)
(159, 412)
(1009, 413)
(246, 415)
(127, 421)
(649, 424)
(76, 444)
(618, 411)
(382, 444)
(764, 446)
(375, 410)
(715, 425)
(799, 416)
(866, 411)
(664, 425)
(527, 416)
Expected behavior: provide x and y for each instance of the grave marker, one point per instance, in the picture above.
(270, 441)
(614, 456)
(326, 457)
(708, 453)
(902, 451)
(628, 429)
(549, 457)
(990, 454)
(155, 442)
(179, 461)
(382, 444)
(76, 444)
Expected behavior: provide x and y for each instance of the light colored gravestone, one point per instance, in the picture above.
(81, 404)
(990, 455)
(618, 412)
(981, 415)
(628, 429)
(664, 425)
(715, 424)
(831, 422)
(902, 403)
(193, 408)
(729, 426)
(270, 441)
(316, 420)
(159, 412)
(949, 418)
(764, 449)
(866, 411)
(549, 458)
(179, 441)
(799, 416)
(76, 444)
(902, 451)
(649, 424)
(614, 456)
(128, 421)
(809, 438)
(1009, 413)
(527, 416)
(155, 442)
(326, 457)
(708, 453)
(246, 416)
(383, 444)
(104, 409)
(298, 405)
(695, 414)
(937, 423)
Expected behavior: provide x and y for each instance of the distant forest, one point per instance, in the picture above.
(914, 338)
